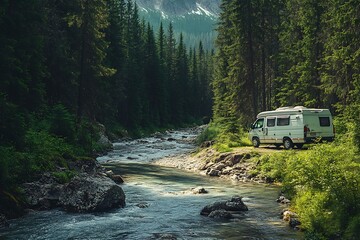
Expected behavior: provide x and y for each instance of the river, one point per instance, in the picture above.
(160, 204)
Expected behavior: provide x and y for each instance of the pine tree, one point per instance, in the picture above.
(114, 92)
(163, 74)
(90, 21)
(301, 51)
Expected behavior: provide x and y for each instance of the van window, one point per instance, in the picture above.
(271, 122)
(283, 121)
(324, 121)
(259, 123)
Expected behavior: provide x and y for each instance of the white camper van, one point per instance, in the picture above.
(291, 126)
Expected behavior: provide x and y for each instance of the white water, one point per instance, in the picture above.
(172, 211)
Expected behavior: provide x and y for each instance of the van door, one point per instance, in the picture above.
(270, 130)
(258, 129)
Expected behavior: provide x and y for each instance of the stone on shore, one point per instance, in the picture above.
(90, 191)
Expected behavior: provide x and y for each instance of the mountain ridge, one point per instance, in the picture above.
(176, 8)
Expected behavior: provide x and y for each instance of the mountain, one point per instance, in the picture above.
(171, 8)
(196, 19)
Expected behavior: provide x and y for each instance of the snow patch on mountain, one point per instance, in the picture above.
(181, 8)
(202, 10)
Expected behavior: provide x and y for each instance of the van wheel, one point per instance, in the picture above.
(299, 145)
(256, 142)
(288, 144)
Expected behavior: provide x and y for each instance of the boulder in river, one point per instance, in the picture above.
(199, 190)
(91, 194)
(235, 204)
(167, 236)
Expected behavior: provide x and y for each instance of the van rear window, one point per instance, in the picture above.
(283, 121)
(324, 121)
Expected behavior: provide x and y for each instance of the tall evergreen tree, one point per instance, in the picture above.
(90, 21)
(301, 51)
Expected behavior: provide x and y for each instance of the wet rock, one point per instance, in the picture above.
(288, 215)
(220, 214)
(109, 173)
(292, 218)
(117, 179)
(234, 204)
(171, 139)
(132, 158)
(167, 236)
(91, 194)
(3, 221)
(219, 166)
(294, 223)
(206, 165)
(283, 200)
(213, 172)
(142, 205)
(199, 190)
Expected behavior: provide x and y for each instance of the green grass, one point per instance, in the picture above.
(224, 141)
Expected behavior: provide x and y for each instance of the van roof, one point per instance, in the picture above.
(292, 110)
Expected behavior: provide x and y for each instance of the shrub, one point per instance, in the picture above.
(223, 135)
(324, 183)
(44, 151)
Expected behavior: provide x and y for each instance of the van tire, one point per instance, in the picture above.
(256, 142)
(288, 144)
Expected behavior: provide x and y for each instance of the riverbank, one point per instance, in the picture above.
(238, 165)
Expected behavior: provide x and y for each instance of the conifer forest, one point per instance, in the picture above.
(69, 69)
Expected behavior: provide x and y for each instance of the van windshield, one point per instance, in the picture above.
(259, 123)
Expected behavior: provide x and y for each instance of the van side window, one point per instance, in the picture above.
(283, 121)
(324, 121)
(271, 122)
(259, 123)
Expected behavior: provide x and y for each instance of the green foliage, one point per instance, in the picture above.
(224, 139)
(7, 157)
(44, 151)
(12, 124)
(209, 134)
(324, 184)
(273, 165)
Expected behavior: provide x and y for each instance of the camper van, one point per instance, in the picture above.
(292, 126)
